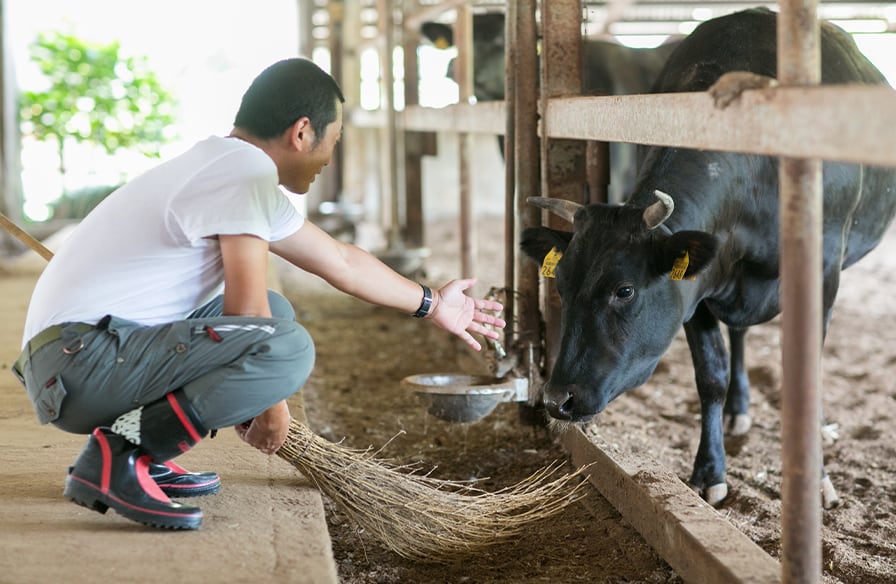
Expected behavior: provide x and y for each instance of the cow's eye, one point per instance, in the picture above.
(624, 293)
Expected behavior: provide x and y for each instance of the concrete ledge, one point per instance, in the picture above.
(266, 524)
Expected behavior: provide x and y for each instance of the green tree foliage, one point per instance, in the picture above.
(94, 95)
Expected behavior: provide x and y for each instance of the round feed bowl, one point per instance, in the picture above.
(458, 397)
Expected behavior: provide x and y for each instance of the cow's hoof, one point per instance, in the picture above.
(736, 425)
(715, 494)
(829, 497)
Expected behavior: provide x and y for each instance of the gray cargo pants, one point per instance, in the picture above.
(231, 368)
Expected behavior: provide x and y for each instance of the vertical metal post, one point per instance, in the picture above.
(413, 148)
(355, 140)
(390, 135)
(525, 122)
(463, 71)
(597, 170)
(336, 11)
(511, 253)
(562, 161)
(801, 227)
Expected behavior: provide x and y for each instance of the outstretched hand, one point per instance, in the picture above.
(460, 314)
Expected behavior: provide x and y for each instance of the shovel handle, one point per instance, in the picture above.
(25, 237)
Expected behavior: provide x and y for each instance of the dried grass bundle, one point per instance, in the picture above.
(420, 517)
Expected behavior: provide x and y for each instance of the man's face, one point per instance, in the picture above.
(316, 154)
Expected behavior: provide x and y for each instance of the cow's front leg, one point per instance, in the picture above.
(711, 373)
(736, 419)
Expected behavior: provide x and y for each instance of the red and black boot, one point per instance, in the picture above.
(176, 481)
(113, 469)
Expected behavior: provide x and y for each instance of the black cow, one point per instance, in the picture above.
(624, 290)
(610, 69)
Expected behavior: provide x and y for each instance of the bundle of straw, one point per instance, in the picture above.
(420, 517)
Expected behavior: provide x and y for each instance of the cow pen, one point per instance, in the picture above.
(795, 121)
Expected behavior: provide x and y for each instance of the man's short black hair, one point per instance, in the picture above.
(286, 91)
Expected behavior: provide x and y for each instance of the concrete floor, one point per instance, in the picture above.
(267, 523)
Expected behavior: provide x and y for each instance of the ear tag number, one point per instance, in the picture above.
(550, 262)
(680, 267)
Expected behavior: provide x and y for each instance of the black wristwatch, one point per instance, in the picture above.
(425, 305)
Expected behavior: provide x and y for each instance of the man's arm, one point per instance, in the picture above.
(246, 294)
(358, 273)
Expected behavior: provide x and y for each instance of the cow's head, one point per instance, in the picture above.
(488, 52)
(621, 303)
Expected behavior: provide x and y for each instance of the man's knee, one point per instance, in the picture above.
(280, 306)
(290, 355)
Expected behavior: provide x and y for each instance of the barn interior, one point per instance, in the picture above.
(422, 180)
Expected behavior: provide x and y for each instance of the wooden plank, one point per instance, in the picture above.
(812, 122)
(699, 544)
(482, 118)
(809, 122)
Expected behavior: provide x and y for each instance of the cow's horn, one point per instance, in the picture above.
(658, 212)
(560, 207)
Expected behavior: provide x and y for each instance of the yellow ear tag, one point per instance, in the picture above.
(550, 262)
(680, 267)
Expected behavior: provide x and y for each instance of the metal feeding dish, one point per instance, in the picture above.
(463, 398)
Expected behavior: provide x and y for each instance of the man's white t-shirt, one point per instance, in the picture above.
(148, 252)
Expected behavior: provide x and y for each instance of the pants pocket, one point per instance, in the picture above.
(47, 399)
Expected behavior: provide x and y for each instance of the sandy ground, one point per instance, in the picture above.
(354, 395)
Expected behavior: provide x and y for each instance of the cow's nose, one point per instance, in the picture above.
(558, 401)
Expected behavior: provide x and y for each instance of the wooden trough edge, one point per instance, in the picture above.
(693, 538)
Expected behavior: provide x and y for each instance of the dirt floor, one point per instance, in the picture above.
(354, 395)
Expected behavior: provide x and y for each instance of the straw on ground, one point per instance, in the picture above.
(420, 517)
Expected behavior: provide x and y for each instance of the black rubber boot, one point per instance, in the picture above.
(175, 481)
(113, 469)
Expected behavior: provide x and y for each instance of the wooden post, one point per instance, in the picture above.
(562, 161)
(463, 71)
(801, 313)
(525, 146)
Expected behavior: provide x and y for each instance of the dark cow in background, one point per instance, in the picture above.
(609, 69)
(624, 290)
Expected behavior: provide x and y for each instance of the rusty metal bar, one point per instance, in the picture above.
(562, 160)
(527, 176)
(799, 63)
(597, 169)
(413, 149)
(803, 122)
(510, 203)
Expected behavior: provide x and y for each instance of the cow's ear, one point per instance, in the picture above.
(536, 242)
(441, 35)
(685, 253)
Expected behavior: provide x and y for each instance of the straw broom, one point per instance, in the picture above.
(420, 517)
(417, 516)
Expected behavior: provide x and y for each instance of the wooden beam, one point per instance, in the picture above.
(807, 122)
(813, 122)
(695, 539)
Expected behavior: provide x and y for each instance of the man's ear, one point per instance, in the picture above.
(301, 134)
